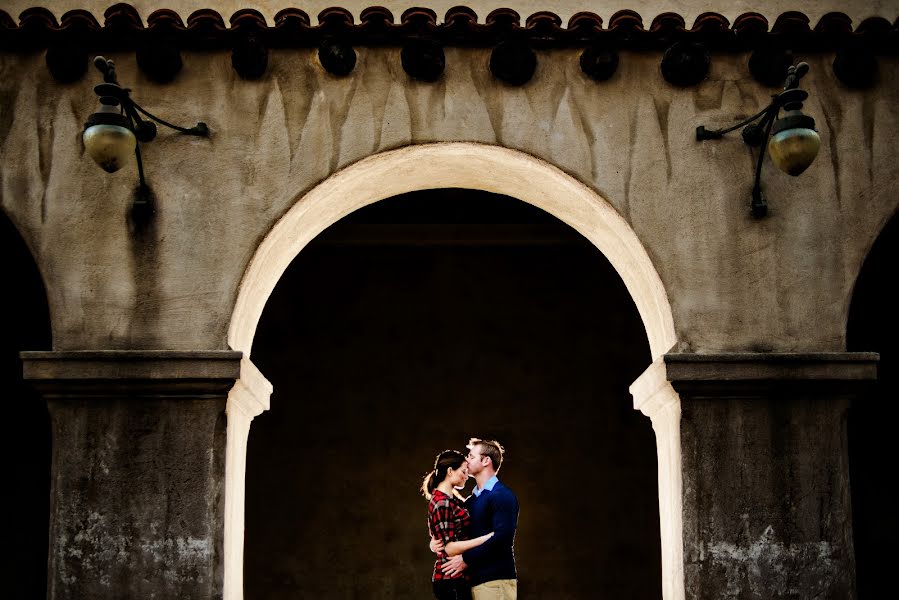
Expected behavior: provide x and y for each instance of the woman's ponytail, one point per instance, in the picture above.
(428, 485)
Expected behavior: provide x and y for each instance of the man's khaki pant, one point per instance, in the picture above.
(500, 589)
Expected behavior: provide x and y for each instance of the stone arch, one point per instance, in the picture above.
(460, 165)
(17, 237)
(453, 165)
(884, 233)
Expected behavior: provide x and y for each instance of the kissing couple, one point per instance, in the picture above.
(472, 537)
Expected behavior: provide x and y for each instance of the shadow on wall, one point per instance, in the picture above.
(410, 326)
(874, 327)
(26, 440)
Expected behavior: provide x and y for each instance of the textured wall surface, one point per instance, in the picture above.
(778, 284)
(137, 499)
(766, 496)
(137, 489)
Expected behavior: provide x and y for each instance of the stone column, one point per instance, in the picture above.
(138, 476)
(766, 505)
(248, 399)
(655, 398)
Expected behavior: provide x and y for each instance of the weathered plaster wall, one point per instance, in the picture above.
(162, 519)
(779, 284)
(138, 471)
(766, 509)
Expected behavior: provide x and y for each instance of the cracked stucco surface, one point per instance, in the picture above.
(780, 284)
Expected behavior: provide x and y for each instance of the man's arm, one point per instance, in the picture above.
(505, 520)
(454, 548)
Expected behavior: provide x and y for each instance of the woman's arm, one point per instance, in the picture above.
(454, 548)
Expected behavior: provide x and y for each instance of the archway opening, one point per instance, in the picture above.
(400, 331)
(873, 326)
(26, 443)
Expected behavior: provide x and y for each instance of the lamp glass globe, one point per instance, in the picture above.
(111, 146)
(793, 150)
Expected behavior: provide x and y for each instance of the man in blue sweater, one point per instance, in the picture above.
(493, 507)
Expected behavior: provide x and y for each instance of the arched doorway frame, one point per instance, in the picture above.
(472, 166)
(889, 219)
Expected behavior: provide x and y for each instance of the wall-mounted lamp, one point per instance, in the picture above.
(113, 133)
(793, 143)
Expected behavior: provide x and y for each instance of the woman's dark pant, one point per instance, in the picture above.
(452, 589)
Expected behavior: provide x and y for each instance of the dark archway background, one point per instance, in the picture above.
(26, 439)
(404, 329)
(874, 327)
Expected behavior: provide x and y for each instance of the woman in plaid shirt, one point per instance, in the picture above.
(448, 521)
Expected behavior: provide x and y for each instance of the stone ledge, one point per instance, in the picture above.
(116, 373)
(750, 373)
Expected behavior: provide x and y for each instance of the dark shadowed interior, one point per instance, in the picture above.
(408, 327)
(874, 327)
(26, 440)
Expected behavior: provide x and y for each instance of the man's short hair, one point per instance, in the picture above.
(489, 448)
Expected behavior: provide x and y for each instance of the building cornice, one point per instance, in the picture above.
(124, 29)
(159, 42)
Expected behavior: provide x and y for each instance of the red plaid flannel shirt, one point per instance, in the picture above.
(448, 521)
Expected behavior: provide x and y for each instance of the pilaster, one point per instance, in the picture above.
(766, 504)
(138, 471)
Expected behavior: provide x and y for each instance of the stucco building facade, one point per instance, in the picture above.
(742, 360)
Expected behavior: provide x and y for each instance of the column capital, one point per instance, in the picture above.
(251, 394)
(652, 392)
(132, 373)
(750, 373)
